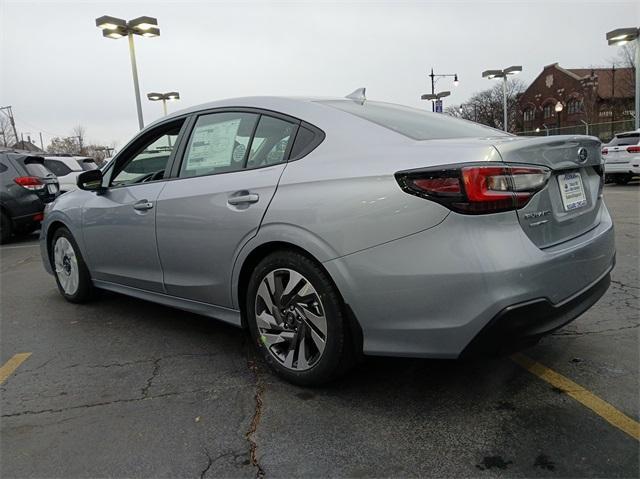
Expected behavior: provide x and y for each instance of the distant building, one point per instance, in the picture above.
(26, 146)
(593, 95)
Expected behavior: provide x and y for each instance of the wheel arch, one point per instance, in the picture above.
(260, 252)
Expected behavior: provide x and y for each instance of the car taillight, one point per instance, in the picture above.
(29, 182)
(605, 151)
(38, 217)
(476, 189)
(633, 149)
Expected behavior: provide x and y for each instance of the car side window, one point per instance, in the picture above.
(3, 168)
(270, 142)
(58, 168)
(218, 144)
(149, 158)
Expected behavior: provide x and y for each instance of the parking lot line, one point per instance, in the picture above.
(11, 365)
(586, 398)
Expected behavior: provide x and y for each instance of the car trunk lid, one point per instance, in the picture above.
(569, 205)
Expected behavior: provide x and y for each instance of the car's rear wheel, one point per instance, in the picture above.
(296, 317)
(5, 227)
(72, 275)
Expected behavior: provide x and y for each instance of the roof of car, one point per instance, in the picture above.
(291, 105)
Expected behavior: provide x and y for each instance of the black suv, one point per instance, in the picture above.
(25, 186)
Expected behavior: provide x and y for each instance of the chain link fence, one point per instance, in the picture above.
(604, 131)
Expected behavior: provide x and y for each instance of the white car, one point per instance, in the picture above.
(622, 157)
(67, 169)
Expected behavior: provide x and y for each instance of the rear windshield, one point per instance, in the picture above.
(626, 139)
(87, 165)
(36, 168)
(414, 123)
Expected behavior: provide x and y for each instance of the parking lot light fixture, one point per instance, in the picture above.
(435, 96)
(621, 36)
(115, 28)
(490, 74)
(164, 97)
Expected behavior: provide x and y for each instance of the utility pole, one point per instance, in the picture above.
(11, 120)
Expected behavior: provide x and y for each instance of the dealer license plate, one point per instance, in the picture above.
(572, 191)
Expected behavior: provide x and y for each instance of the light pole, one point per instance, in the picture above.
(558, 108)
(115, 28)
(434, 97)
(165, 97)
(434, 79)
(621, 36)
(512, 70)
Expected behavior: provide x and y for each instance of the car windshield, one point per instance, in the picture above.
(625, 139)
(414, 123)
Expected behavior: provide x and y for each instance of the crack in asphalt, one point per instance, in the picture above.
(586, 333)
(257, 416)
(209, 463)
(154, 374)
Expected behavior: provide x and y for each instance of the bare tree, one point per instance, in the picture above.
(79, 132)
(7, 138)
(486, 106)
(66, 145)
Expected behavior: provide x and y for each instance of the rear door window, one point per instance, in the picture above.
(88, 164)
(270, 142)
(57, 167)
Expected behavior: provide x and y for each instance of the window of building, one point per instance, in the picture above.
(529, 114)
(548, 110)
(574, 106)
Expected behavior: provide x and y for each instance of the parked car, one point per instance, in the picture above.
(25, 186)
(622, 157)
(330, 228)
(67, 169)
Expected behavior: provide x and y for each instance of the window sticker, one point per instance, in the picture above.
(212, 145)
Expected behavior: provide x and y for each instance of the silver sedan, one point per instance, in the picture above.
(332, 228)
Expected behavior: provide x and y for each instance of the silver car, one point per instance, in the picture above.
(332, 228)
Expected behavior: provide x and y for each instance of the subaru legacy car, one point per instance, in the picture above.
(332, 228)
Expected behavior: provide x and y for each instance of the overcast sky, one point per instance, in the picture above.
(57, 71)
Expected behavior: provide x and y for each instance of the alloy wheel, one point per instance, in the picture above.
(291, 319)
(66, 265)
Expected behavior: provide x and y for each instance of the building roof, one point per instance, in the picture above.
(26, 146)
(623, 87)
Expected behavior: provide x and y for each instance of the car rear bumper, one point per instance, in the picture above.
(430, 294)
(630, 168)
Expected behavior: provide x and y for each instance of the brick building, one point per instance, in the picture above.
(602, 97)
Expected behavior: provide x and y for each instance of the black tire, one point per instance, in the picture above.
(6, 230)
(622, 180)
(337, 357)
(84, 291)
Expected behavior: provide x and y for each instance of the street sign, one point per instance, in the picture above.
(438, 106)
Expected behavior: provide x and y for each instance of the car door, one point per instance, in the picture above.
(230, 167)
(119, 223)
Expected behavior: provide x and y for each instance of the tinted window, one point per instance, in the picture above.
(87, 165)
(303, 143)
(218, 144)
(625, 140)
(57, 167)
(416, 124)
(149, 161)
(36, 169)
(270, 142)
(3, 168)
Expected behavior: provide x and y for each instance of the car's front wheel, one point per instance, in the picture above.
(296, 317)
(72, 275)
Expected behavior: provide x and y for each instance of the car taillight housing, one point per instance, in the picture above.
(29, 182)
(476, 189)
(605, 151)
(633, 149)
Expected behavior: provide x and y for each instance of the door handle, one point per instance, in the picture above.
(143, 205)
(238, 200)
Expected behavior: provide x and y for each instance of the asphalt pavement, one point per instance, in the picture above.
(125, 388)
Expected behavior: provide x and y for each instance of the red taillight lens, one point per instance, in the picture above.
(29, 182)
(476, 189)
(605, 151)
(633, 149)
(38, 217)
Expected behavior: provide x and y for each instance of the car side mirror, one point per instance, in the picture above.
(90, 180)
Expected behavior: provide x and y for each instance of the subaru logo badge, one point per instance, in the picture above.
(582, 154)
